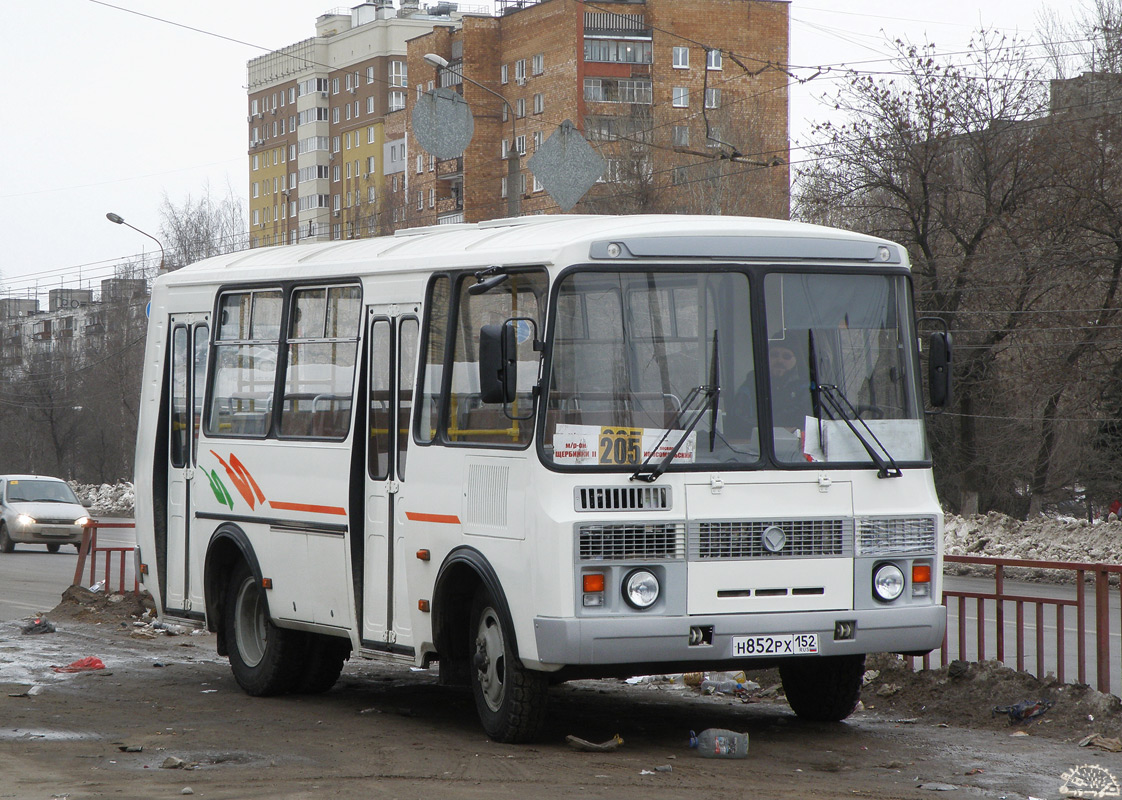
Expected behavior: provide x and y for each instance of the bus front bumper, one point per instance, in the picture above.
(634, 639)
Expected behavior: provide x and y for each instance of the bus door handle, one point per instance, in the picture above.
(392, 487)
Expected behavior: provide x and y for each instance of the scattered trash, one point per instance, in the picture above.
(173, 762)
(1025, 710)
(906, 721)
(645, 772)
(30, 691)
(975, 771)
(665, 768)
(1108, 743)
(1019, 733)
(87, 664)
(938, 787)
(586, 746)
(692, 678)
(131, 748)
(888, 689)
(40, 625)
(869, 676)
(720, 743)
(97, 587)
(187, 790)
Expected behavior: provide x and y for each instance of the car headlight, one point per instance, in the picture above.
(82, 522)
(888, 582)
(640, 589)
(25, 519)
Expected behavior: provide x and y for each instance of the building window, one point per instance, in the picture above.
(432, 198)
(504, 75)
(681, 136)
(714, 138)
(537, 65)
(520, 143)
(712, 98)
(369, 75)
(398, 74)
(520, 107)
(594, 90)
(537, 140)
(420, 201)
(370, 105)
(539, 103)
(502, 187)
(335, 86)
(335, 115)
(681, 58)
(370, 135)
(370, 164)
(520, 71)
(256, 189)
(610, 90)
(337, 173)
(537, 184)
(626, 51)
(420, 164)
(337, 201)
(680, 97)
(713, 59)
(256, 161)
(397, 101)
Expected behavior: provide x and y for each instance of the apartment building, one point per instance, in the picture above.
(316, 122)
(686, 101)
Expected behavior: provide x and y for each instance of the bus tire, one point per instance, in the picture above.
(825, 688)
(6, 543)
(509, 698)
(266, 660)
(323, 663)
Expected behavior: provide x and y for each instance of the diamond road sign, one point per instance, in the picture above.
(566, 165)
(442, 123)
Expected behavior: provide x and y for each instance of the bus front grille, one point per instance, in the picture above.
(642, 542)
(781, 538)
(882, 536)
(622, 498)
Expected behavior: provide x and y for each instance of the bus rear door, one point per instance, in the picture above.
(189, 341)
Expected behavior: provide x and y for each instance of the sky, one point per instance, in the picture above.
(108, 109)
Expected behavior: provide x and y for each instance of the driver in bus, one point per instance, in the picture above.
(790, 393)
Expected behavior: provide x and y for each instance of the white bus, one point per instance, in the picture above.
(546, 448)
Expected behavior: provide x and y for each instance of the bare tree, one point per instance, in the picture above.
(202, 227)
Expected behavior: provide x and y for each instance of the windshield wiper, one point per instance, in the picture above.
(645, 472)
(839, 404)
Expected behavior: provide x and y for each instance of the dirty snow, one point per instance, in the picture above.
(106, 499)
(1044, 538)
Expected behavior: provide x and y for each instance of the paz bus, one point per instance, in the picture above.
(546, 448)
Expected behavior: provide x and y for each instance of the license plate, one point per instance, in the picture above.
(794, 644)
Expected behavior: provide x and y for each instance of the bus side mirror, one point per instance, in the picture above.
(939, 368)
(498, 363)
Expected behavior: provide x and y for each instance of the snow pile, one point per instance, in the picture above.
(1042, 539)
(106, 499)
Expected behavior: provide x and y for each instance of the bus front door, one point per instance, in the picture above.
(384, 598)
(181, 587)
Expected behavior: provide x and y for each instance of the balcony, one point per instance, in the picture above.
(448, 205)
(450, 168)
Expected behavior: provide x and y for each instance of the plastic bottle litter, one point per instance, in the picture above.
(721, 687)
(719, 743)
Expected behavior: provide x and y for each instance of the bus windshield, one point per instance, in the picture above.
(655, 370)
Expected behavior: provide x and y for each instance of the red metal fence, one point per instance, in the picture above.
(999, 602)
(115, 559)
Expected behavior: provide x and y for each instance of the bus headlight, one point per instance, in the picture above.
(640, 589)
(888, 582)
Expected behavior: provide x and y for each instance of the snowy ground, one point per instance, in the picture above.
(106, 499)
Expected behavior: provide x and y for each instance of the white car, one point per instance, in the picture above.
(35, 509)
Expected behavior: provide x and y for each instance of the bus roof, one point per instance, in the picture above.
(549, 239)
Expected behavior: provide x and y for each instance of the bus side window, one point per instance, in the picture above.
(245, 363)
(406, 366)
(436, 335)
(322, 348)
(180, 424)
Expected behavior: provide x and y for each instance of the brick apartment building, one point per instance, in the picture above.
(316, 115)
(665, 90)
(686, 101)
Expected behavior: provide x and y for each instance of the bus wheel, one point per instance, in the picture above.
(823, 689)
(265, 659)
(510, 699)
(6, 543)
(323, 662)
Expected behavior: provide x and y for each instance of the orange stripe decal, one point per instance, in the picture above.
(448, 519)
(280, 506)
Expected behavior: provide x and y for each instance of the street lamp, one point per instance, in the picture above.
(118, 219)
(514, 161)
